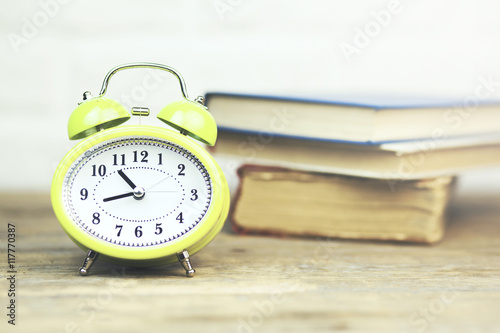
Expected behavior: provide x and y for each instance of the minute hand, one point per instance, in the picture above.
(125, 178)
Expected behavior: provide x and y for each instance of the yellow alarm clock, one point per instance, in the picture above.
(140, 195)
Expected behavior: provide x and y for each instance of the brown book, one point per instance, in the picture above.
(280, 201)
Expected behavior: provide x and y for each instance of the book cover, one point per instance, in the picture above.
(341, 121)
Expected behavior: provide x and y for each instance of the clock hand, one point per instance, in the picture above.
(162, 191)
(151, 186)
(125, 178)
(138, 193)
(129, 194)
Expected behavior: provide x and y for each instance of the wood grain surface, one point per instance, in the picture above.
(260, 284)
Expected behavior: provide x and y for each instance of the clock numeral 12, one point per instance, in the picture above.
(144, 155)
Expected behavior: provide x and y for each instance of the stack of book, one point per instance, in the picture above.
(322, 168)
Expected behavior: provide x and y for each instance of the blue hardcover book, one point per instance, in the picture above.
(360, 123)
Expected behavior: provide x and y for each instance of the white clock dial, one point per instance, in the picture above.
(137, 191)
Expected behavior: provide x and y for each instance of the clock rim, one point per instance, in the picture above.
(193, 241)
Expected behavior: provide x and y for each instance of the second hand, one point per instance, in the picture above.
(151, 186)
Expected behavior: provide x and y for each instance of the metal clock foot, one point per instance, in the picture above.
(186, 263)
(88, 262)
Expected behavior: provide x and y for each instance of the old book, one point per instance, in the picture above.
(280, 201)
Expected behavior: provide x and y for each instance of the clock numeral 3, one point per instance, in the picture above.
(194, 194)
(96, 218)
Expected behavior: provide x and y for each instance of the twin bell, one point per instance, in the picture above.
(98, 113)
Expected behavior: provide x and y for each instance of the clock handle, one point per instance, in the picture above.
(189, 117)
(143, 65)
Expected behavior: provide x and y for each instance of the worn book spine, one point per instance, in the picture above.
(360, 208)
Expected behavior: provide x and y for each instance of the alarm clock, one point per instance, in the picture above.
(140, 195)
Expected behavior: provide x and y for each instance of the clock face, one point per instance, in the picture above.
(137, 192)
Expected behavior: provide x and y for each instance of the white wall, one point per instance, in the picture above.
(53, 50)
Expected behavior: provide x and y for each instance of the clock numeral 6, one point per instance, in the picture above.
(138, 231)
(96, 218)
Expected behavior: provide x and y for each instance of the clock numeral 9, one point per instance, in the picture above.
(84, 193)
(101, 170)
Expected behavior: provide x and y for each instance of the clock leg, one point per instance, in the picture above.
(186, 263)
(88, 262)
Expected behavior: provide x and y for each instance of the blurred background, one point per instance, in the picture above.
(54, 50)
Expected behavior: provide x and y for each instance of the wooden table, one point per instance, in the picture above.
(259, 284)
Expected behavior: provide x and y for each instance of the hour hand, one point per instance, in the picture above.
(120, 196)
